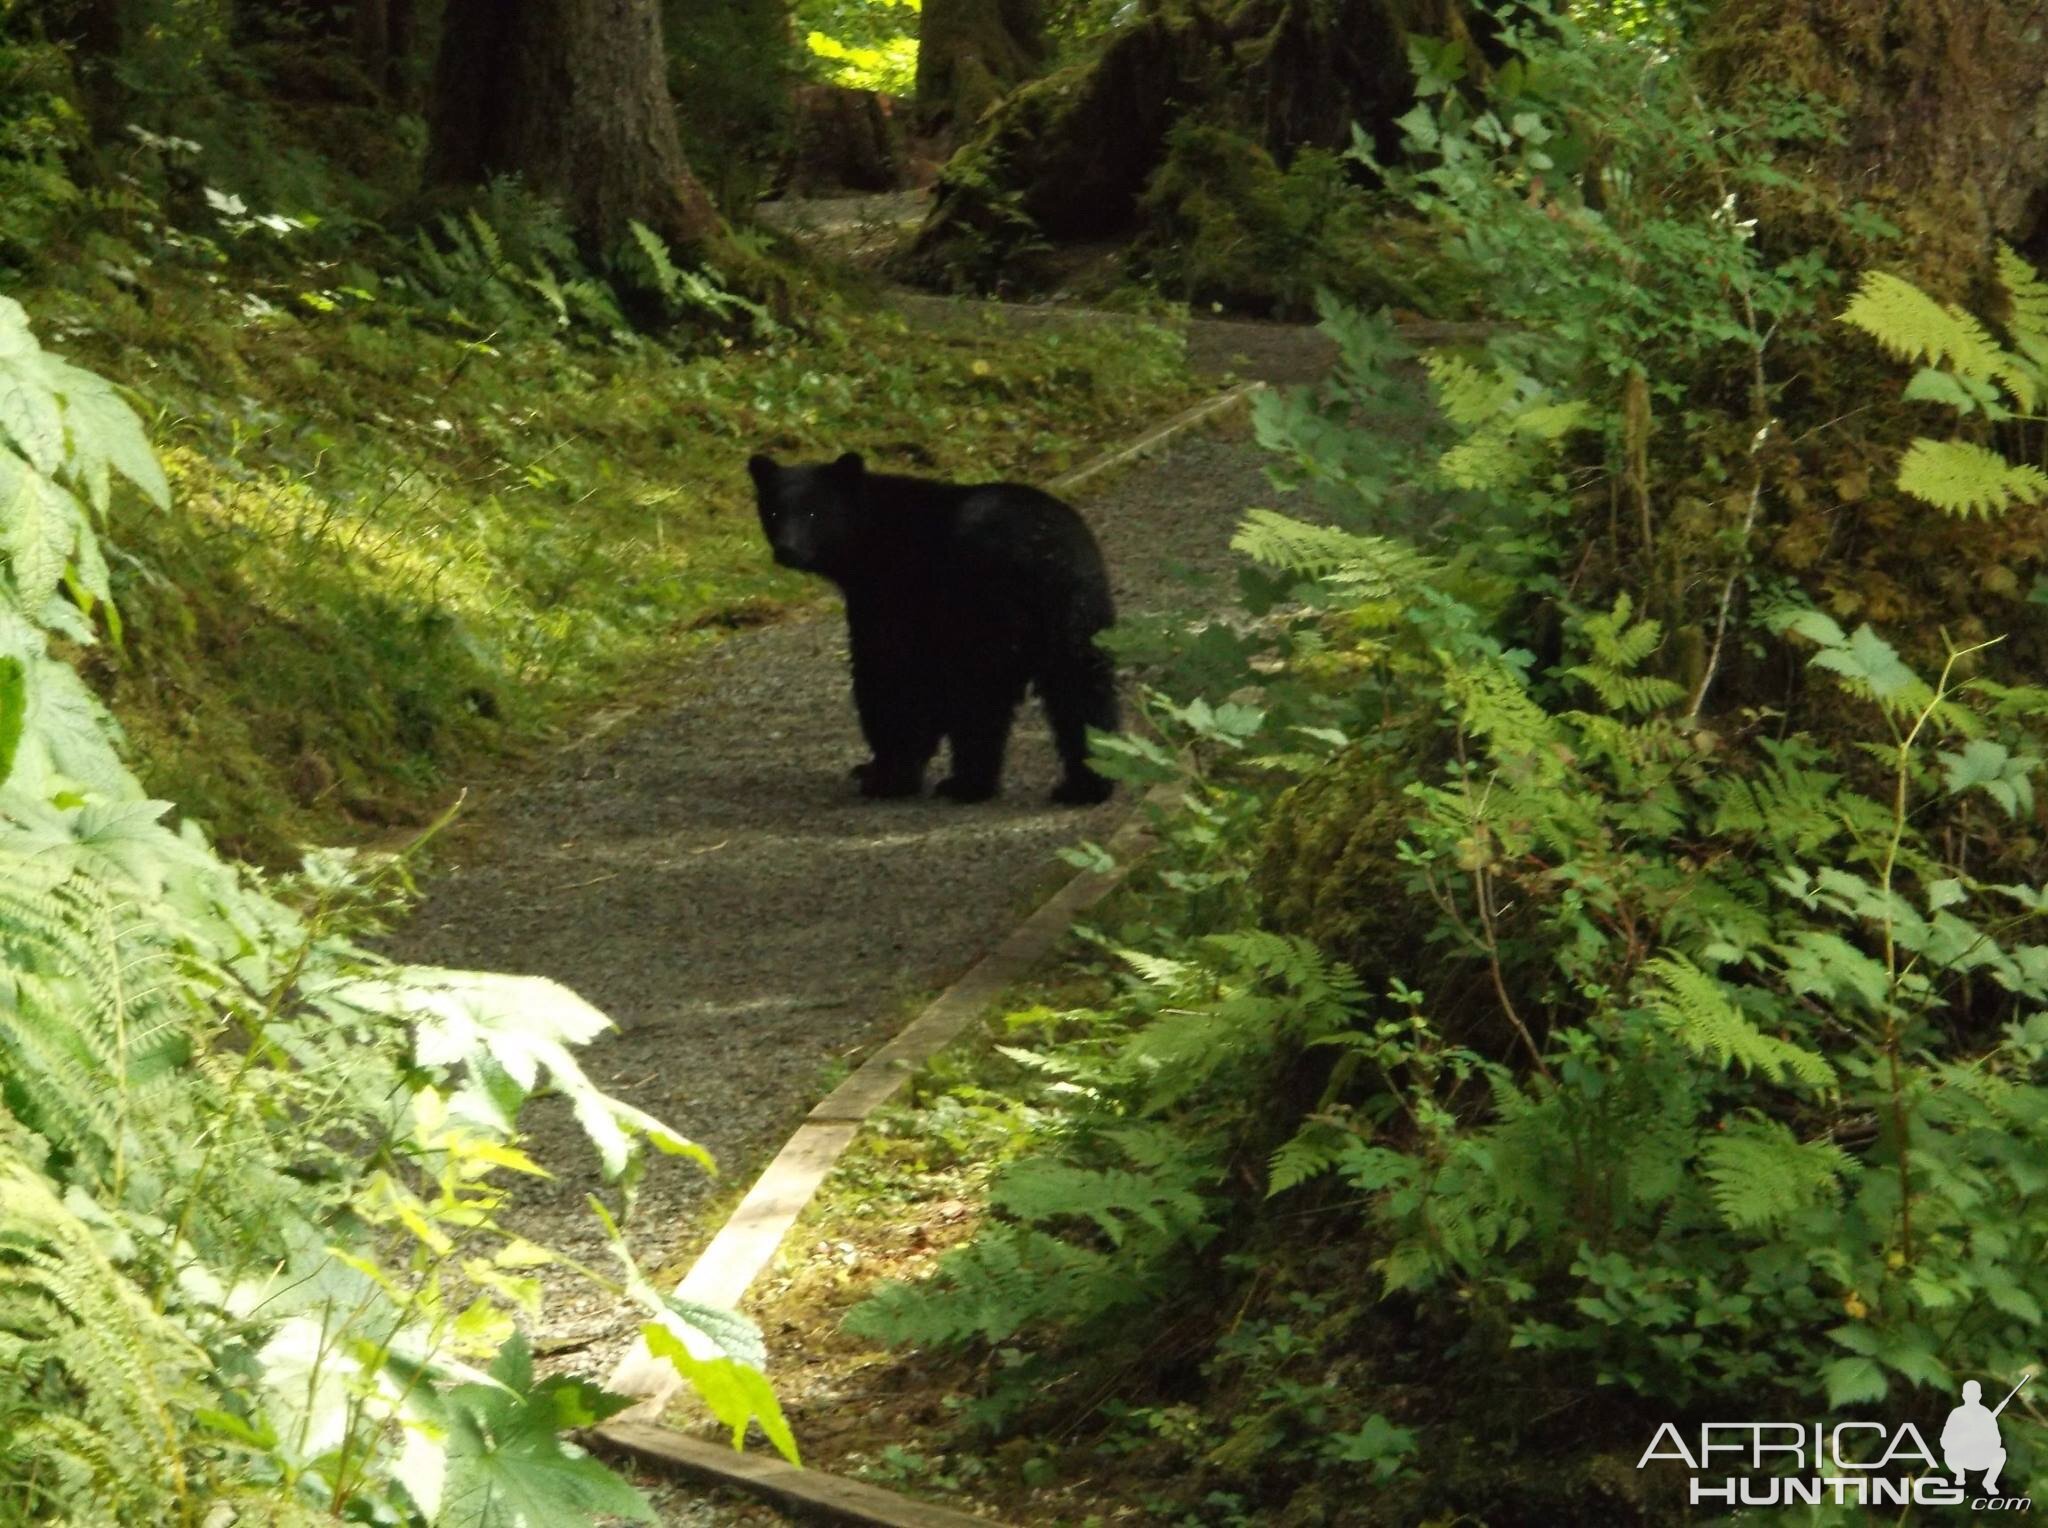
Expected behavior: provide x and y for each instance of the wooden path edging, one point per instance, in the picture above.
(752, 1234)
(796, 1492)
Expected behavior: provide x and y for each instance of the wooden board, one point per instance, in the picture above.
(798, 1492)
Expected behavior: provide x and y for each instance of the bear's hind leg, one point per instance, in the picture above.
(1079, 691)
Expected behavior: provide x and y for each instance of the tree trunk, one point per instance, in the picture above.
(969, 52)
(844, 140)
(1944, 111)
(1942, 130)
(571, 96)
(385, 32)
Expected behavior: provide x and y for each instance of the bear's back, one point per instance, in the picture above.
(1011, 527)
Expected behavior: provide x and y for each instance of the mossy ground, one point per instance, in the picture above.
(398, 551)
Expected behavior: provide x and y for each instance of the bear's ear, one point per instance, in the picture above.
(761, 469)
(849, 466)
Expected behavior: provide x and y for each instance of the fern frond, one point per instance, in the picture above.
(1632, 694)
(1374, 567)
(1492, 701)
(1706, 1020)
(1618, 641)
(68, 1311)
(1311, 1152)
(1915, 327)
(1759, 1175)
(1785, 802)
(1007, 1278)
(1468, 396)
(1960, 478)
(668, 280)
(2026, 296)
(1043, 1192)
(490, 249)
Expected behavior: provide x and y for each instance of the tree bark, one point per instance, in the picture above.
(969, 52)
(385, 33)
(1944, 111)
(571, 96)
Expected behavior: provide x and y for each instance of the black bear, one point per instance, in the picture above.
(958, 597)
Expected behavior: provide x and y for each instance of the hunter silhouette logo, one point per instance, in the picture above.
(1970, 1440)
(1847, 1463)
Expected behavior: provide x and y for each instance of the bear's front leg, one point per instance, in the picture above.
(979, 736)
(895, 706)
(886, 779)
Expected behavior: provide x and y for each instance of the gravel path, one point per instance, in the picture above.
(707, 875)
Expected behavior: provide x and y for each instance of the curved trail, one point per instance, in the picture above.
(707, 875)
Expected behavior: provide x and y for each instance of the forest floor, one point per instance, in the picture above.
(703, 870)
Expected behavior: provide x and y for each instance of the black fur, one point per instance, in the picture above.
(958, 597)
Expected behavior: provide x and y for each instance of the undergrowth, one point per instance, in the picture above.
(1589, 982)
(250, 1173)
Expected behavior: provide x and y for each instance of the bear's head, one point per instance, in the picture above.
(809, 514)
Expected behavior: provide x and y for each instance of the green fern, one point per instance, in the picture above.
(1309, 1153)
(668, 280)
(2026, 297)
(1006, 1279)
(1789, 802)
(88, 1340)
(1966, 366)
(1044, 1192)
(1706, 1020)
(1468, 396)
(1509, 422)
(1915, 327)
(1372, 567)
(1962, 478)
(1492, 701)
(1760, 1176)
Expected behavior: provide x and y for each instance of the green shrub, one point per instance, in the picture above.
(247, 1200)
(1581, 1040)
(39, 130)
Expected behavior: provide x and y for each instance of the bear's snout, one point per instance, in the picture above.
(794, 545)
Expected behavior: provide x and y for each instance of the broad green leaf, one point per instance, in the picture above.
(1992, 768)
(736, 1393)
(30, 418)
(507, 1464)
(1851, 1381)
(505, 1032)
(1872, 660)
